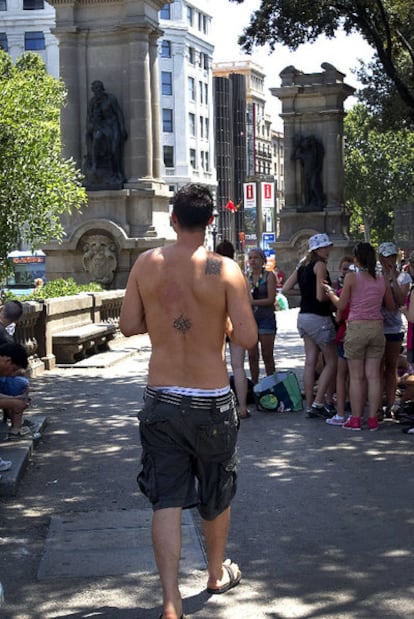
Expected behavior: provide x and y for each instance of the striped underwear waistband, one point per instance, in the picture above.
(189, 400)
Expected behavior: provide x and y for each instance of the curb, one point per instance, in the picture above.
(20, 453)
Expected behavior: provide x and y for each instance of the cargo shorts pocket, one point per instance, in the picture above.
(147, 480)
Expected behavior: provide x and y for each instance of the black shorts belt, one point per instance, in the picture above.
(193, 402)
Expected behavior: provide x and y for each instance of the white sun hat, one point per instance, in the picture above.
(317, 241)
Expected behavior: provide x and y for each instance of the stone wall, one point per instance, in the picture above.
(41, 320)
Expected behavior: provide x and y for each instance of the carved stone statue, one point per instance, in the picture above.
(310, 152)
(100, 258)
(105, 137)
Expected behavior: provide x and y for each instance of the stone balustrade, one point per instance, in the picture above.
(43, 319)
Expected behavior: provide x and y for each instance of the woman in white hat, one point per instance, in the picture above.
(316, 325)
(393, 324)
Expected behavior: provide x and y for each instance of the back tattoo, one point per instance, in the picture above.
(182, 324)
(213, 266)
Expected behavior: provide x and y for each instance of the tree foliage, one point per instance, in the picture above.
(385, 24)
(36, 184)
(379, 174)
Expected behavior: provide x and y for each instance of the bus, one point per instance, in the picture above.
(26, 267)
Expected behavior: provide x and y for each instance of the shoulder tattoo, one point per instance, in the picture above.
(213, 266)
(182, 324)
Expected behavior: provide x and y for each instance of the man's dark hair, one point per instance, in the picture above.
(225, 248)
(12, 310)
(16, 352)
(193, 206)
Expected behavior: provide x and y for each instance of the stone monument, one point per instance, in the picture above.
(111, 128)
(312, 113)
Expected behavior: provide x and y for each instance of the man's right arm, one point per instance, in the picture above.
(132, 318)
(244, 327)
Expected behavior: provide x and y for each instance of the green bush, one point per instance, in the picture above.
(55, 288)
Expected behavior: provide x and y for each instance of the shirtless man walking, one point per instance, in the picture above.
(188, 299)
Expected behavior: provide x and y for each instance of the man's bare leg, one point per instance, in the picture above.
(216, 532)
(166, 540)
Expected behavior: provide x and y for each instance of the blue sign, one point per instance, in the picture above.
(267, 238)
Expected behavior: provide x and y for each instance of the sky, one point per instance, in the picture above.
(228, 22)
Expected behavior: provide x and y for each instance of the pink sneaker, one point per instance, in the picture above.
(372, 423)
(352, 423)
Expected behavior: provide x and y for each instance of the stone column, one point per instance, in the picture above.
(155, 105)
(312, 107)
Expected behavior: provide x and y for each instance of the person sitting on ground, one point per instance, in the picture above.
(16, 386)
(237, 353)
(13, 357)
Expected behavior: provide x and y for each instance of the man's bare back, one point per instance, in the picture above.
(183, 294)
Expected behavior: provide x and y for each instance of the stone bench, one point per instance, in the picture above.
(75, 344)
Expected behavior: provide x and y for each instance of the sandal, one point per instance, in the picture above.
(245, 416)
(234, 579)
(23, 432)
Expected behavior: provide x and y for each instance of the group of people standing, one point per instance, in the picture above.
(364, 340)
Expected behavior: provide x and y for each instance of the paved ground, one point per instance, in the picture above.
(322, 522)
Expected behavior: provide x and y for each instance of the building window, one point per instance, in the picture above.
(167, 120)
(3, 5)
(190, 15)
(193, 158)
(30, 5)
(191, 55)
(165, 49)
(165, 12)
(207, 129)
(34, 41)
(201, 127)
(202, 23)
(192, 124)
(191, 88)
(166, 83)
(169, 156)
(207, 162)
(206, 94)
(3, 42)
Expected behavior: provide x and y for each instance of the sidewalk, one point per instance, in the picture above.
(322, 522)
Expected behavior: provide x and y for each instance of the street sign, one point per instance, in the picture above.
(267, 238)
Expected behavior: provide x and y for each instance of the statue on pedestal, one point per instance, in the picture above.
(105, 137)
(310, 152)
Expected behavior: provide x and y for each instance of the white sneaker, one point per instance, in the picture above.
(5, 465)
(336, 420)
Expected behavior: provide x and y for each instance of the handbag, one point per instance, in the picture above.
(279, 392)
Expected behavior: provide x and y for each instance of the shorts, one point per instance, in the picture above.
(320, 329)
(364, 339)
(394, 337)
(188, 451)
(13, 385)
(266, 325)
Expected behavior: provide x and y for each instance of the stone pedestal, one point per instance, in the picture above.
(312, 108)
(115, 42)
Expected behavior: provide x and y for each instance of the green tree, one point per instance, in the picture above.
(385, 24)
(379, 174)
(36, 184)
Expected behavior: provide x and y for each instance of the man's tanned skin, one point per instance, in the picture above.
(188, 299)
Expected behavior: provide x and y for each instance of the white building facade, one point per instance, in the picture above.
(26, 25)
(187, 111)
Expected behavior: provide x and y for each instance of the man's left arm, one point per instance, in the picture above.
(132, 318)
